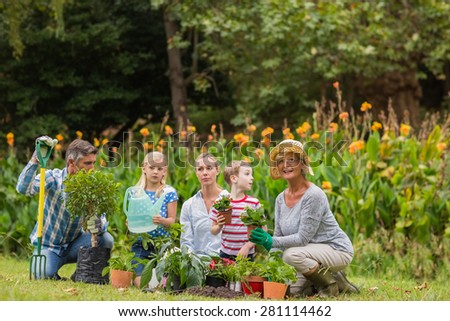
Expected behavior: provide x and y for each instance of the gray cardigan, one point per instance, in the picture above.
(310, 220)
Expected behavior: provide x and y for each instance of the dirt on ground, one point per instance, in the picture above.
(213, 292)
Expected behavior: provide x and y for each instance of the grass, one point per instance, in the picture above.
(16, 286)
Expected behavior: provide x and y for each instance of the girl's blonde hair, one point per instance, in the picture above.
(153, 156)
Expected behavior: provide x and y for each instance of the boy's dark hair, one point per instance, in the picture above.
(233, 169)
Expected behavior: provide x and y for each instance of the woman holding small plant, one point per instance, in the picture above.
(194, 215)
(153, 181)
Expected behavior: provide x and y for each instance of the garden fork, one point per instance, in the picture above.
(38, 262)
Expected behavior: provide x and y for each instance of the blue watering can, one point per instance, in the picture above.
(139, 209)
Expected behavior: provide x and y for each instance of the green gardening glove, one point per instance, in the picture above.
(261, 237)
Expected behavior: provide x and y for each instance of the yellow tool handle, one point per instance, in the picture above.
(41, 203)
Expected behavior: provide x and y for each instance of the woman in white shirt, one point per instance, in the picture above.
(194, 215)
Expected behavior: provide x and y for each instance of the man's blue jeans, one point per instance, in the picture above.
(70, 255)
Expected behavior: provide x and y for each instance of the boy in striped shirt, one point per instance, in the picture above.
(239, 175)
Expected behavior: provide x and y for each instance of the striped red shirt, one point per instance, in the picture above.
(234, 235)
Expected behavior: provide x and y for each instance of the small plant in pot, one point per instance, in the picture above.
(90, 195)
(121, 269)
(250, 273)
(223, 207)
(180, 267)
(216, 271)
(279, 275)
(253, 218)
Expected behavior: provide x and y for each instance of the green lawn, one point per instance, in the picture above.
(15, 285)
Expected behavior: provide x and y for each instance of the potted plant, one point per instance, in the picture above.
(279, 275)
(216, 271)
(91, 194)
(251, 278)
(223, 207)
(253, 218)
(178, 266)
(121, 269)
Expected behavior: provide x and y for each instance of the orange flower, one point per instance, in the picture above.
(376, 126)
(79, 134)
(168, 130)
(210, 137)
(265, 141)
(213, 128)
(259, 153)
(58, 147)
(96, 142)
(336, 85)
(251, 129)
(355, 146)
(365, 106)
(105, 141)
(114, 149)
(161, 143)
(333, 127)
(148, 146)
(60, 137)
(326, 185)
(10, 139)
(183, 134)
(287, 133)
(441, 146)
(300, 131)
(315, 136)
(246, 159)
(144, 132)
(241, 138)
(405, 129)
(191, 129)
(306, 126)
(343, 116)
(267, 131)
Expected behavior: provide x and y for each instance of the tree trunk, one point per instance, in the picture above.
(404, 90)
(176, 78)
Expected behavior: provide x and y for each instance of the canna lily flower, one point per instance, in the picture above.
(300, 131)
(96, 142)
(265, 141)
(251, 129)
(10, 139)
(210, 137)
(336, 85)
(326, 185)
(148, 146)
(144, 132)
(343, 116)
(191, 129)
(105, 141)
(168, 130)
(356, 146)
(79, 134)
(259, 153)
(213, 128)
(183, 134)
(287, 133)
(376, 126)
(441, 146)
(267, 131)
(405, 129)
(315, 136)
(58, 147)
(60, 137)
(241, 138)
(365, 106)
(333, 127)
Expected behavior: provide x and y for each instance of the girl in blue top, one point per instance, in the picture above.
(153, 181)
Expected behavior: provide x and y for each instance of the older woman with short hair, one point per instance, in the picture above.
(305, 228)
